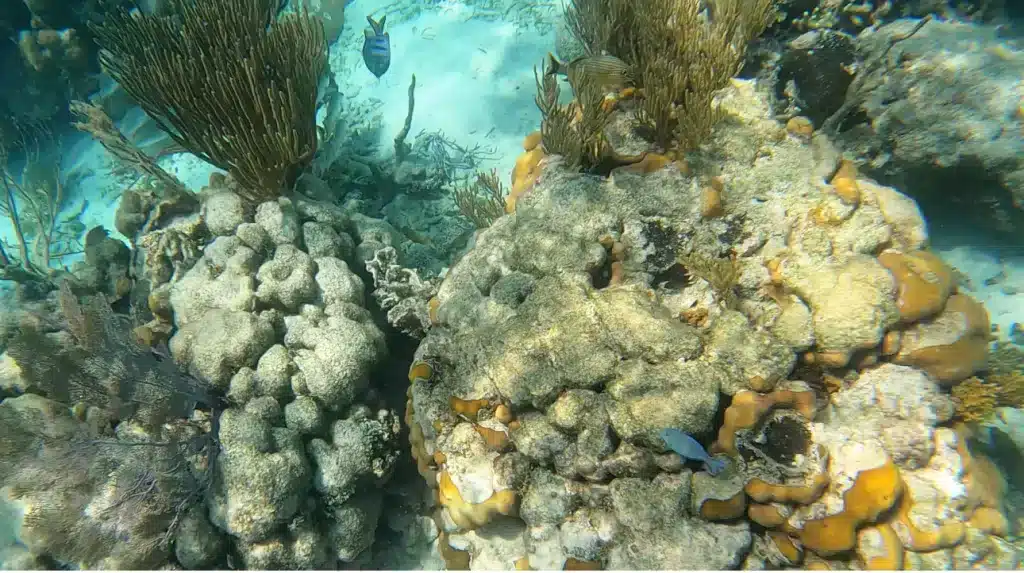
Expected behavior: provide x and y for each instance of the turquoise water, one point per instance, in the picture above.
(261, 308)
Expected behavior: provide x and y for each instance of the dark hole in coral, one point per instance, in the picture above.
(663, 240)
(785, 438)
(601, 277)
(674, 277)
(724, 401)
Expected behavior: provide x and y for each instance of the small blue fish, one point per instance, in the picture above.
(376, 47)
(690, 449)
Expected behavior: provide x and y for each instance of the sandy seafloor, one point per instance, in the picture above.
(474, 69)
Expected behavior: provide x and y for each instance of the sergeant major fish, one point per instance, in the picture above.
(690, 449)
(376, 47)
(607, 73)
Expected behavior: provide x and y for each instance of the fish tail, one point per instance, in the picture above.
(554, 66)
(377, 25)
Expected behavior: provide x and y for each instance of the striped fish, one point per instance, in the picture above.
(606, 73)
(376, 47)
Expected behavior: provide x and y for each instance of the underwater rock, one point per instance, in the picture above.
(606, 310)
(335, 350)
(322, 240)
(301, 546)
(401, 292)
(361, 450)
(197, 544)
(337, 283)
(951, 103)
(353, 525)
(280, 221)
(222, 279)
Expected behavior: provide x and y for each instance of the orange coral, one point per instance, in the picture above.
(417, 443)
(724, 509)
(923, 282)
(955, 361)
(573, 564)
(800, 126)
(767, 516)
(873, 492)
(468, 408)
(420, 370)
(844, 183)
(711, 202)
(748, 407)
(432, 307)
(496, 439)
(786, 547)
(472, 515)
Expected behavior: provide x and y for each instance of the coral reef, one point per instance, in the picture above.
(536, 417)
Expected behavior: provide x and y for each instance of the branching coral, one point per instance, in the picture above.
(575, 131)
(30, 198)
(483, 200)
(94, 121)
(976, 398)
(227, 81)
(681, 55)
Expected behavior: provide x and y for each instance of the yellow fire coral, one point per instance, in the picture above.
(873, 492)
(472, 515)
(923, 282)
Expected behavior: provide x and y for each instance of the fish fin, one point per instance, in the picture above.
(714, 465)
(377, 25)
(554, 66)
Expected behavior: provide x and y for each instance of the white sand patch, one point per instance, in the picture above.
(474, 77)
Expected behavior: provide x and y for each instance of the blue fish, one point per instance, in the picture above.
(690, 449)
(376, 47)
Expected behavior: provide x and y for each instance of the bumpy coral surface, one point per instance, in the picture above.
(605, 310)
(273, 314)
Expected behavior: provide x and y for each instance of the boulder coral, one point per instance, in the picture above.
(272, 313)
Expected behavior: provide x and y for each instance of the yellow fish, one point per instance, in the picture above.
(606, 73)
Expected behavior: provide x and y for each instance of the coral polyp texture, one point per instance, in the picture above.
(671, 302)
(574, 332)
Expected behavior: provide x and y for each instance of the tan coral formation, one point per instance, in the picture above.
(830, 265)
